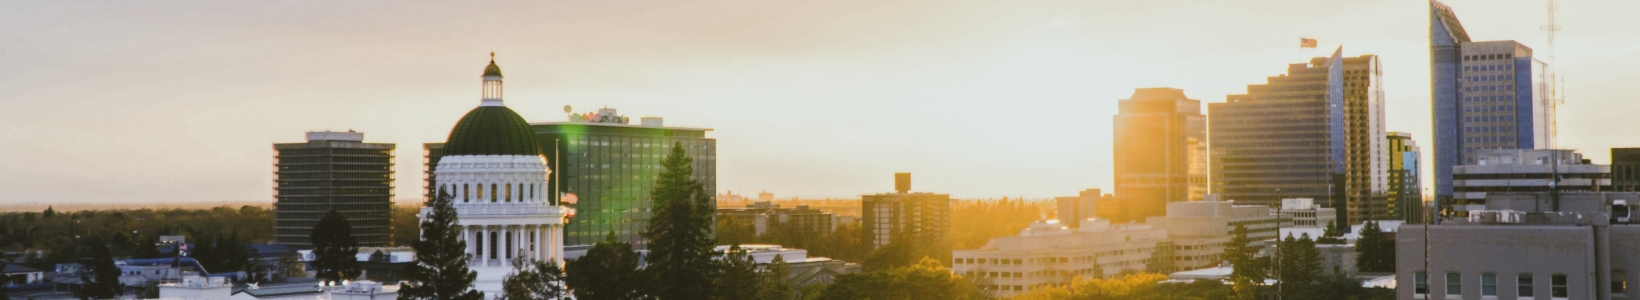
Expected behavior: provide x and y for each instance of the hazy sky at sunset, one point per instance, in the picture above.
(176, 101)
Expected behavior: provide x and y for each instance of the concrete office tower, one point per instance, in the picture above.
(1625, 169)
(921, 219)
(332, 171)
(1160, 152)
(611, 167)
(1522, 170)
(1406, 198)
(1085, 205)
(1317, 132)
(1520, 247)
(1485, 95)
(494, 170)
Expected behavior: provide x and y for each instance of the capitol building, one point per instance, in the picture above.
(494, 169)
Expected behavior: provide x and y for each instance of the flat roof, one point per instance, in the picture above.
(618, 125)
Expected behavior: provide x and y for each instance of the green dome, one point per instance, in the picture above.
(492, 69)
(492, 130)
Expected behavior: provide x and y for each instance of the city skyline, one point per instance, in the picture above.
(153, 103)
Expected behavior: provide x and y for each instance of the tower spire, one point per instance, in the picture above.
(492, 84)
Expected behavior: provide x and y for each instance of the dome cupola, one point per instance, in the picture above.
(492, 128)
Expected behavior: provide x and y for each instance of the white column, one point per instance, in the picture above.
(488, 241)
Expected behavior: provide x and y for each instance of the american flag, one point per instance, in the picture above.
(1306, 43)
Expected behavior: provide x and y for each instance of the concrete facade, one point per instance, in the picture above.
(1525, 246)
(1522, 170)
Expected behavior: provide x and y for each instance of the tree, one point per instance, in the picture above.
(898, 253)
(1334, 234)
(608, 271)
(440, 268)
(1248, 272)
(534, 280)
(1375, 252)
(255, 270)
(737, 277)
(48, 213)
(1300, 266)
(775, 285)
(927, 279)
(104, 280)
(679, 233)
(335, 253)
(3, 295)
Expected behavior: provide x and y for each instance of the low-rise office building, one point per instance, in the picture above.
(1569, 245)
(1048, 253)
(1522, 170)
(1302, 212)
(763, 215)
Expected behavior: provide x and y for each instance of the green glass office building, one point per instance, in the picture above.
(611, 167)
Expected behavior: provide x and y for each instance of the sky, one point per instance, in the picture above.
(181, 101)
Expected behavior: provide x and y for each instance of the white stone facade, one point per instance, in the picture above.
(502, 207)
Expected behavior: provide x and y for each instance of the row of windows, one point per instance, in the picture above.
(524, 192)
(334, 151)
(333, 167)
(1525, 285)
(1487, 57)
(1489, 88)
(383, 159)
(1490, 78)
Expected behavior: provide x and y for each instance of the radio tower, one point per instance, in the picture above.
(1553, 96)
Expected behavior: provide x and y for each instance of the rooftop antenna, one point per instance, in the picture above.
(1553, 96)
(1551, 102)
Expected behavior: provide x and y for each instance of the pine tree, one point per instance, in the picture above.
(737, 278)
(608, 271)
(1247, 271)
(534, 280)
(775, 285)
(1375, 252)
(440, 269)
(1334, 234)
(679, 233)
(104, 280)
(255, 270)
(335, 253)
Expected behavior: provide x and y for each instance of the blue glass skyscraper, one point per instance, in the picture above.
(1484, 96)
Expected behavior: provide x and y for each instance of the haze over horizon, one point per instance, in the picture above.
(180, 101)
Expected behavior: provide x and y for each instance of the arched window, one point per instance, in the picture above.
(493, 190)
(466, 192)
(509, 193)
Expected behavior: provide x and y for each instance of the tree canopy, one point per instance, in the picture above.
(440, 269)
(679, 234)
(335, 252)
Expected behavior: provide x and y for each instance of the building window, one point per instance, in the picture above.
(1523, 285)
(1489, 284)
(1620, 282)
(1420, 283)
(1454, 283)
(1557, 286)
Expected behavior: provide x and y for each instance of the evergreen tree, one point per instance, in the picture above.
(255, 270)
(1334, 234)
(335, 253)
(104, 280)
(608, 271)
(737, 277)
(1247, 272)
(48, 213)
(440, 269)
(898, 253)
(775, 285)
(534, 280)
(679, 233)
(1375, 252)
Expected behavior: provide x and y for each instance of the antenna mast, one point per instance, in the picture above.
(1553, 96)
